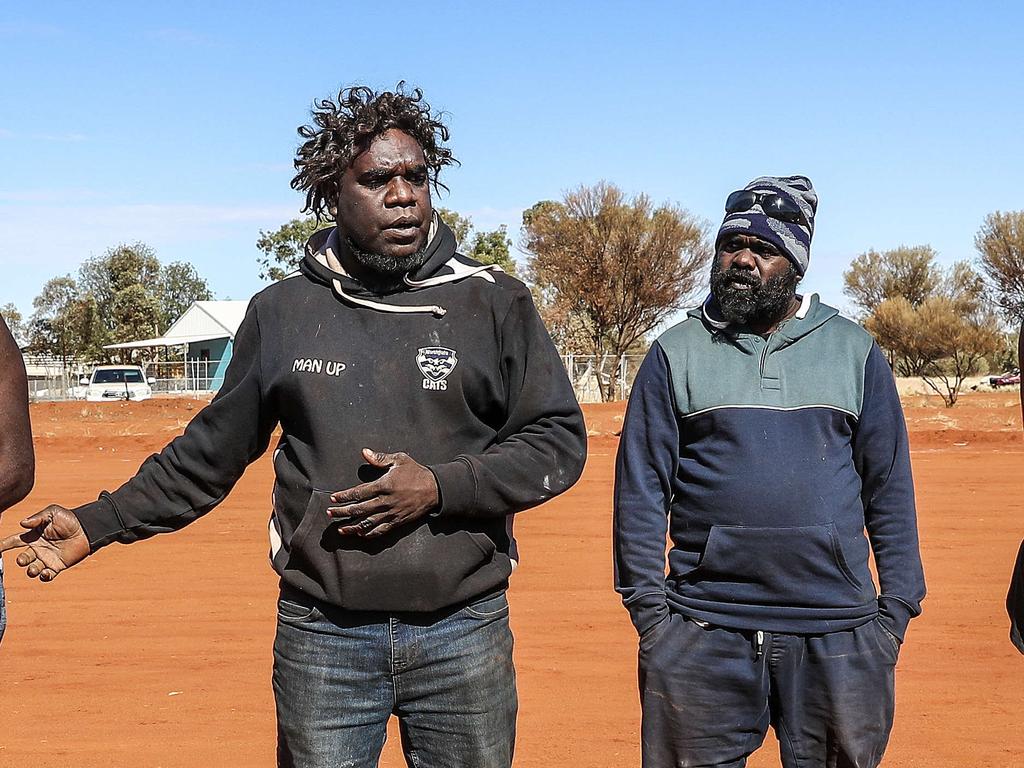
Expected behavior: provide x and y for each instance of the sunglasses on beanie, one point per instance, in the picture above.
(772, 203)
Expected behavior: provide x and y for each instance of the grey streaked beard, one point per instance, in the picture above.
(386, 272)
(764, 302)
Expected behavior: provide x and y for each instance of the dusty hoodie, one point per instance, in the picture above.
(455, 369)
(765, 460)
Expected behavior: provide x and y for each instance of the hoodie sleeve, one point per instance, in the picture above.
(881, 454)
(645, 468)
(540, 450)
(195, 471)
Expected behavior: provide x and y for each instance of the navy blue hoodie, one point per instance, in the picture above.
(764, 460)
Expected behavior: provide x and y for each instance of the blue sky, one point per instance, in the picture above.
(174, 124)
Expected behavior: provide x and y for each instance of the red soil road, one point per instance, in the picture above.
(159, 654)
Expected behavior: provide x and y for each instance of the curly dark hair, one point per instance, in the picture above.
(345, 128)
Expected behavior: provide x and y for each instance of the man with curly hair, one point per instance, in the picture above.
(421, 405)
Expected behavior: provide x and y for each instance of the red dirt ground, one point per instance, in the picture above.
(159, 654)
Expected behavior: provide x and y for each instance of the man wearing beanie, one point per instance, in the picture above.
(764, 437)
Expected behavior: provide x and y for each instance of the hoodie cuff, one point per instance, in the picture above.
(894, 615)
(456, 487)
(100, 521)
(647, 612)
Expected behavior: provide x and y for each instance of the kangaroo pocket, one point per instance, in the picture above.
(424, 566)
(798, 567)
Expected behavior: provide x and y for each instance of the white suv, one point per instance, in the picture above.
(117, 382)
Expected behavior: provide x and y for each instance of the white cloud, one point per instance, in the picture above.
(31, 237)
(67, 136)
(72, 195)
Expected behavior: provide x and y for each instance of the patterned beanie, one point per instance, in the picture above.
(792, 239)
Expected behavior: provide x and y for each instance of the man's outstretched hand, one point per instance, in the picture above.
(405, 492)
(53, 542)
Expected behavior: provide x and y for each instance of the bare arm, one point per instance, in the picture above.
(1020, 366)
(17, 461)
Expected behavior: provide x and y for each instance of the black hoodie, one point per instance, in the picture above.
(455, 369)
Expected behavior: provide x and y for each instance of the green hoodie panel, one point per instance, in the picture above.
(707, 373)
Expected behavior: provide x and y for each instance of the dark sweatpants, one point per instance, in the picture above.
(709, 694)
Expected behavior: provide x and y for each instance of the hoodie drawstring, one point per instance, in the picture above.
(434, 309)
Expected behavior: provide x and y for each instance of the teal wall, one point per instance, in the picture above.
(220, 356)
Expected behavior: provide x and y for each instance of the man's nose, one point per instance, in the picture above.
(744, 259)
(400, 194)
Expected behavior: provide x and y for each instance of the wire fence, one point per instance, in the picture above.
(185, 377)
(55, 379)
(598, 378)
(594, 378)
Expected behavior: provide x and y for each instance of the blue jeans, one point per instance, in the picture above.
(709, 694)
(448, 677)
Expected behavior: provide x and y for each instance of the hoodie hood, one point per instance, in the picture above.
(811, 315)
(326, 251)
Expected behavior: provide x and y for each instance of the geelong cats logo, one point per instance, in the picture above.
(436, 363)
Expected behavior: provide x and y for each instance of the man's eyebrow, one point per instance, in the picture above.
(383, 174)
(376, 174)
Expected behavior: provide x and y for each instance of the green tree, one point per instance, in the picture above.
(89, 332)
(118, 268)
(460, 225)
(282, 249)
(493, 248)
(127, 284)
(1000, 245)
(487, 247)
(612, 268)
(180, 285)
(52, 327)
(15, 322)
(123, 295)
(136, 315)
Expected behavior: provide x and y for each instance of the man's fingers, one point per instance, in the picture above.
(25, 558)
(359, 493)
(362, 509)
(365, 526)
(40, 519)
(47, 574)
(379, 530)
(382, 460)
(19, 540)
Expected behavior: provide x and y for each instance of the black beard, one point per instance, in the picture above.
(761, 304)
(385, 273)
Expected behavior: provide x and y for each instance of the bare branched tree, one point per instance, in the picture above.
(907, 271)
(1000, 244)
(944, 338)
(609, 269)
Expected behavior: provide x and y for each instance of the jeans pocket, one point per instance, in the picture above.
(650, 638)
(292, 612)
(887, 639)
(490, 607)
